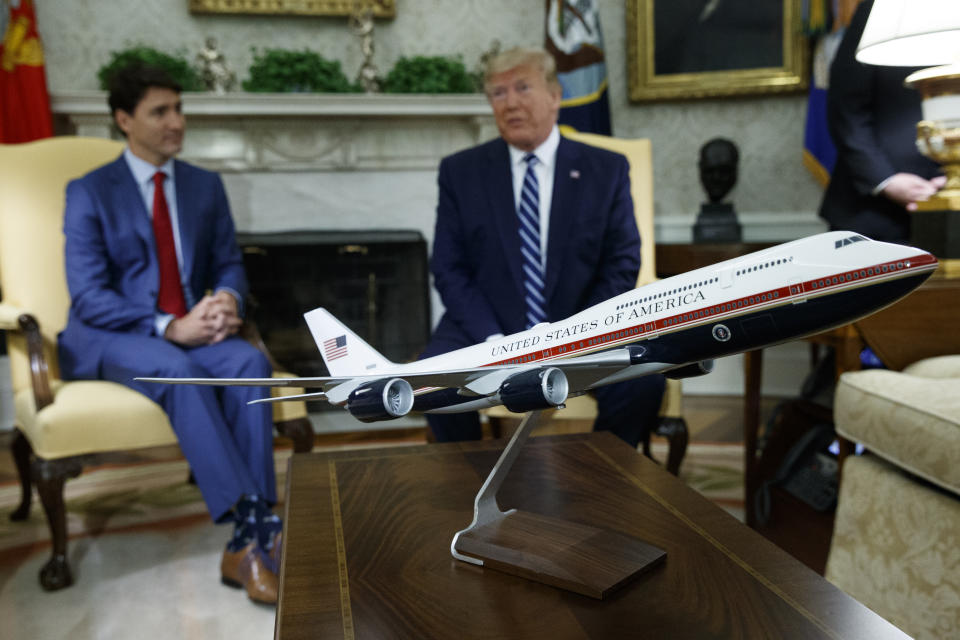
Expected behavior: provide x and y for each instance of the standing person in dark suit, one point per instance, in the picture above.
(872, 116)
(532, 227)
(147, 236)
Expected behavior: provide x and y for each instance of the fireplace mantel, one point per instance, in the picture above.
(315, 161)
(241, 132)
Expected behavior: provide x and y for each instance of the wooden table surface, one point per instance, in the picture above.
(367, 537)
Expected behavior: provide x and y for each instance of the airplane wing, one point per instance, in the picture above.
(583, 372)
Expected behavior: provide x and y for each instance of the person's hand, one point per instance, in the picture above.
(907, 189)
(196, 328)
(223, 312)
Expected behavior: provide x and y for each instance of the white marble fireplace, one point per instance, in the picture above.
(316, 162)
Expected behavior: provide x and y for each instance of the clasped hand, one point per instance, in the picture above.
(210, 321)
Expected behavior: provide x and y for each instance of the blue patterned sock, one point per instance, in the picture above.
(245, 526)
(268, 526)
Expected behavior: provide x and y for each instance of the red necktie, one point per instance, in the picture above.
(170, 298)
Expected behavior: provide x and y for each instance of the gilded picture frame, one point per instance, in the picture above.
(381, 8)
(689, 49)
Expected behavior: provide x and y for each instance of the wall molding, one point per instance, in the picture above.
(677, 228)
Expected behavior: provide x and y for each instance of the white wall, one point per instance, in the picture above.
(773, 187)
(79, 35)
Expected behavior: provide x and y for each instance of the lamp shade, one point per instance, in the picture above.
(911, 33)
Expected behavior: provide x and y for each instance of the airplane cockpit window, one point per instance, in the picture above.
(848, 241)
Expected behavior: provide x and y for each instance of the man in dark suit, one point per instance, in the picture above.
(147, 237)
(872, 116)
(532, 227)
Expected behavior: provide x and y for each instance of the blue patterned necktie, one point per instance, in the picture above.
(529, 213)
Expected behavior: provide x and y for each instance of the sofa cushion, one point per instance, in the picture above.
(939, 367)
(910, 420)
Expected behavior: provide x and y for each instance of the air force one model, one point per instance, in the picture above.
(674, 326)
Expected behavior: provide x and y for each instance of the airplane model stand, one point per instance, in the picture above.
(569, 555)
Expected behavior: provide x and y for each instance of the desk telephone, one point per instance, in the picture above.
(808, 472)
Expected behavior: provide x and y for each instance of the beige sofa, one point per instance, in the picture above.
(896, 540)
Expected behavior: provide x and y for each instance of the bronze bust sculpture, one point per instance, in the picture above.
(717, 221)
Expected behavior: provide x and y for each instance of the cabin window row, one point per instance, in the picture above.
(766, 265)
(856, 275)
(667, 294)
(765, 297)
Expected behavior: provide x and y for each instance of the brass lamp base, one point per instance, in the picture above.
(937, 231)
(941, 201)
(936, 223)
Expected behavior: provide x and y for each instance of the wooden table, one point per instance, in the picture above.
(923, 325)
(847, 345)
(367, 537)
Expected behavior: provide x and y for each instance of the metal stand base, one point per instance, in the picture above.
(572, 556)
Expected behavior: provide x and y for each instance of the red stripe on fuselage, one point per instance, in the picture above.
(719, 311)
(730, 308)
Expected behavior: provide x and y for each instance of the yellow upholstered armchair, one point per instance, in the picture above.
(62, 425)
(671, 425)
(896, 537)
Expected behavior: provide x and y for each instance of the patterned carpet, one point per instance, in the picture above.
(140, 536)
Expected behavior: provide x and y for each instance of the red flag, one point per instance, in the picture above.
(24, 102)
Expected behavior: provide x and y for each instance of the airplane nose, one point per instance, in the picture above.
(922, 256)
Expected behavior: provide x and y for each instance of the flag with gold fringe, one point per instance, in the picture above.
(24, 102)
(574, 39)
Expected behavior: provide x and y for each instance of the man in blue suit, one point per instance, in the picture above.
(532, 227)
(156, 286)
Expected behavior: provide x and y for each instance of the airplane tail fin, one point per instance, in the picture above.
(343, 351)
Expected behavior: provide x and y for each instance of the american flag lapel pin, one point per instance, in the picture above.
(574, 174)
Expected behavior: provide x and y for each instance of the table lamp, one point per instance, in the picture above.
(918, 33)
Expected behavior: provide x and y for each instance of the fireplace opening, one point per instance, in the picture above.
(375, 282)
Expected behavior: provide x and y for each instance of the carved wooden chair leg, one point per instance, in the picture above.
(675, 431)
(646, 446)
(22, 452)
(300, 431)
(496, 427)
(50, 476)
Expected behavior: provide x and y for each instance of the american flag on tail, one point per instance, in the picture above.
(335, 347)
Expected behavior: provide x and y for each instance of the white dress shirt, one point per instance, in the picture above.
(143, 173)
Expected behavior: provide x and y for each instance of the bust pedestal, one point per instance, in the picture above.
(936, 228)
(716, 222)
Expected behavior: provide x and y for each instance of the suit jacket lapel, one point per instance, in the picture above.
(563, 210)
(186, 217)
(129, 199)
(498, 175)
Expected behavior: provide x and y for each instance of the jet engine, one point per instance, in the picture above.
(536, 389)
(691, 370)
(381, 400)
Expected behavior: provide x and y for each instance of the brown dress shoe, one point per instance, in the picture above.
(245, 568)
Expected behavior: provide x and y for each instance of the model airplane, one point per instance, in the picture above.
(674, 326)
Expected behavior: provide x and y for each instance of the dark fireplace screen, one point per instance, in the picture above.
(375, 282)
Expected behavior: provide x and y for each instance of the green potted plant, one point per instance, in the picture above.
(282, 70)
(176, 65)
(429, 74)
